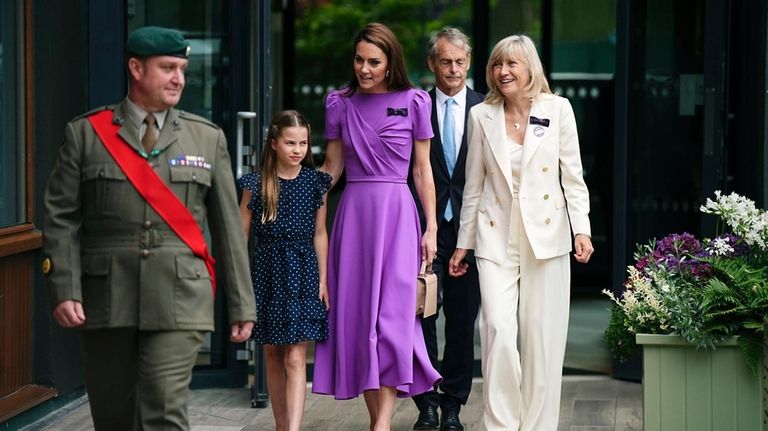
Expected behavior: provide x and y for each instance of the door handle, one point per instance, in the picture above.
(241, 116)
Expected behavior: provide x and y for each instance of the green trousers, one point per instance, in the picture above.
(138, 380)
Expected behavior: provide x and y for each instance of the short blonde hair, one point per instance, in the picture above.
(519, 47)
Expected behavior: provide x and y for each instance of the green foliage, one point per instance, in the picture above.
(619, 339)
(751, 346)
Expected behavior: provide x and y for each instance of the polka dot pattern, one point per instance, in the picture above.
(284, 264)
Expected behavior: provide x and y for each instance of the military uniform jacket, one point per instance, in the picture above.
(112, 252)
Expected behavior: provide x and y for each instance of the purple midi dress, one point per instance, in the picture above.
(375, 338)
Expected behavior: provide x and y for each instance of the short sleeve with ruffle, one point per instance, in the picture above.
(322, 185)
(334, 114)
(252, 183)
(421, 106)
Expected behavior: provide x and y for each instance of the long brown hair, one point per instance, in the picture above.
(270, 185)
(381, 36)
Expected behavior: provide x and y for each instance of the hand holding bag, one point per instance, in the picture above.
(426, 290)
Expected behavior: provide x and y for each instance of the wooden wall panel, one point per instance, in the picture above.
(15, 322)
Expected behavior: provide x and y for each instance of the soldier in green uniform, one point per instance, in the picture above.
(117, 270)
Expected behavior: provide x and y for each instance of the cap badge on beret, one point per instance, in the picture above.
(150, 41)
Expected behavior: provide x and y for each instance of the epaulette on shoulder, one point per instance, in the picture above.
(93, 111)
(196, 118)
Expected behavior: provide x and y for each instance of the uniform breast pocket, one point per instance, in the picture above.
(193, 294)
(104, 187)
(96, 285)
(190, 184)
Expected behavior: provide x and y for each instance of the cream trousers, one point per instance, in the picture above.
(524, 300)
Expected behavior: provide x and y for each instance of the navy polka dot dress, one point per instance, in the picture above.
(284, 269)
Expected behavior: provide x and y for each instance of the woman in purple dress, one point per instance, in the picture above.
(376, 346)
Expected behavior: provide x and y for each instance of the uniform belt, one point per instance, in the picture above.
(144, 238)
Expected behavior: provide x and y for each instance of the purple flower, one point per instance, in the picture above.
(642, 263)
(677, 253)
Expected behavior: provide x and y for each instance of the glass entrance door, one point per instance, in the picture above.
(674, 130)
(217, 84)
(666, 120)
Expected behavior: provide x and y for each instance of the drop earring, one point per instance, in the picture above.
(387, 74)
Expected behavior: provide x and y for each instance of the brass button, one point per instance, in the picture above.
(547, 220)
(544, 169)
(147, 224)
(546, 197)
(493, 223)
(145, 253)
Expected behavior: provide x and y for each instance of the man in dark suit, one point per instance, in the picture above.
(448, 57)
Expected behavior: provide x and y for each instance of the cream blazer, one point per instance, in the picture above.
(552, 189)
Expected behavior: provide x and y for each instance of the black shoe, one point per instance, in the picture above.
(450, 419)
(427, 419)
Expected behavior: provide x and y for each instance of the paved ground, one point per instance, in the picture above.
(589, 403)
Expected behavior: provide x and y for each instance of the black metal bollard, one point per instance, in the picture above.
(259, 394)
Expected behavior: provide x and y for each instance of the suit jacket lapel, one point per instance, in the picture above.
(462, 157)
(437, 140)
(533, 142)
(461, 160)
(495, 133)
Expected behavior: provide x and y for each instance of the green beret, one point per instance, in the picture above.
(149, 41)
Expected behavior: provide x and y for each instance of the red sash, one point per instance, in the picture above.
(153, 189)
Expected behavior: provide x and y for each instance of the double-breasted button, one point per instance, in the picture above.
(546, 197)
(544, 169)
(492, 223)
(145, 253)
(547, 220)
(147, 224)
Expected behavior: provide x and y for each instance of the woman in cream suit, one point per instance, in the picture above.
(523, 198)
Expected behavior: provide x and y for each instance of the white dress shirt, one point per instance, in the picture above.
(457, 110)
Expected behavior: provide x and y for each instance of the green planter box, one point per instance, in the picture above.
(685, 389)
